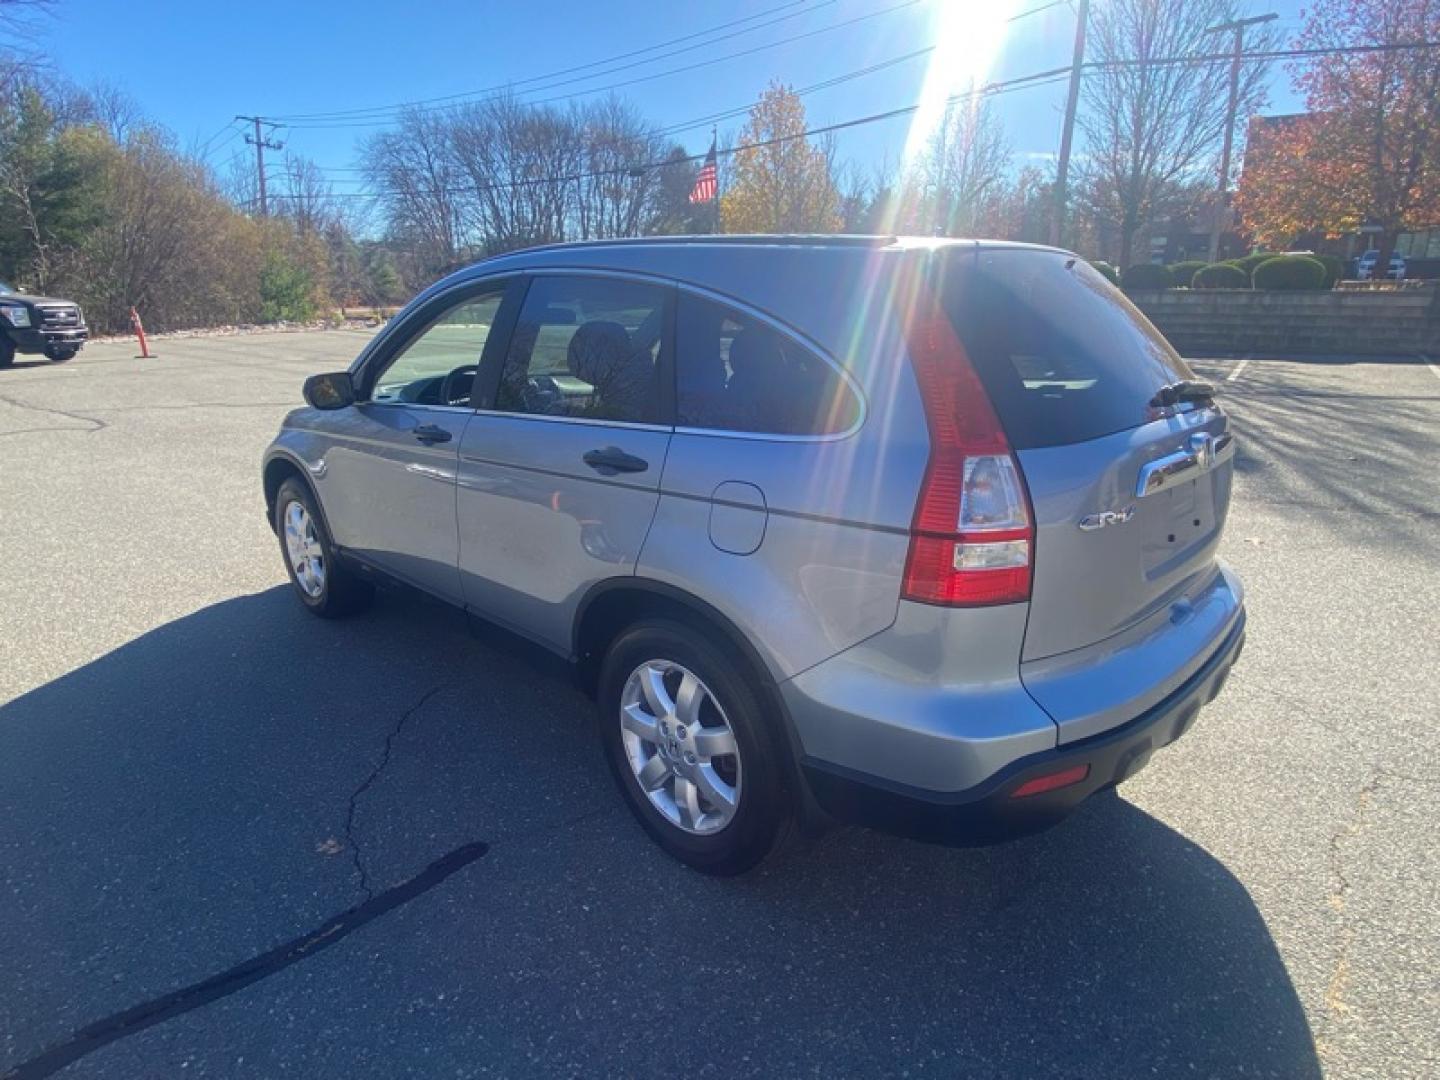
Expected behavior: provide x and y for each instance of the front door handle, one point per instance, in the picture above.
(612, 460)
(431, 433)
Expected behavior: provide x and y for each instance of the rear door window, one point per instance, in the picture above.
(586, 347)
(734, 372)
(1064, 356)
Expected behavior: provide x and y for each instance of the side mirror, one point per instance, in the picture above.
(332, 391)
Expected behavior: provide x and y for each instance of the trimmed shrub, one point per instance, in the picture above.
(1222, 275)
(1184, 272)
(1108, 272)
(1249, 262)
(1289, 272)
(1143, 276)
(1334, 268)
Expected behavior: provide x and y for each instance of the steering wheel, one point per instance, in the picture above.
(450, 389)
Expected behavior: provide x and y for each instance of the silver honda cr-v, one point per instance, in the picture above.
(915, 533)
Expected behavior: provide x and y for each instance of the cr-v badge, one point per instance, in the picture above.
(1091, 522)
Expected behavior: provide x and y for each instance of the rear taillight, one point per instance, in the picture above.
(971, 542)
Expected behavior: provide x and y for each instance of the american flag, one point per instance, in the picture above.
(706, 182)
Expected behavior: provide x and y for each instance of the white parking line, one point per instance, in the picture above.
(1238, 369)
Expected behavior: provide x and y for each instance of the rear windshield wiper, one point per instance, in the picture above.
(1184, 390)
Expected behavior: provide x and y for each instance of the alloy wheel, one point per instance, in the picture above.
(680, 746)
(303, 548)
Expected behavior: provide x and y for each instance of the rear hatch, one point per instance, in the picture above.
(1073, 371)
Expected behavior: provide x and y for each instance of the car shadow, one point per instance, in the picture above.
(213, 787)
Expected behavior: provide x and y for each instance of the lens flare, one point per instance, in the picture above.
(968, 35)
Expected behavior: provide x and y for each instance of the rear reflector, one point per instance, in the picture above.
(1051, 781)
(971, 541)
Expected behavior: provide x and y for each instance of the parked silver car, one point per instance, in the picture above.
(915, 533)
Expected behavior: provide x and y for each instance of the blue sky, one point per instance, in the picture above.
(192, 66)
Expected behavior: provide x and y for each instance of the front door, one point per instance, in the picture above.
(390, 483)
(559, 470)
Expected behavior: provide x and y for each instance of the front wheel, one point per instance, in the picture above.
(324, 585)
(688, 742)
(7, 352)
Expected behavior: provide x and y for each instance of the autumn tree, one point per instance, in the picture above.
(783, 181)
(1368, 151)
(1153, 127)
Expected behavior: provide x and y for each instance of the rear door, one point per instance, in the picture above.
(1129, 498)
(560, 469)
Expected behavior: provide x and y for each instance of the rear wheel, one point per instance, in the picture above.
(687, 741)
(324, 584)
(7, 352)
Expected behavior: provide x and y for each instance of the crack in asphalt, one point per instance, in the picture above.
(369, 781)
(99, 425)
(1340, 894)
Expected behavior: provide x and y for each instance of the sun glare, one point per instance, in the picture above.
(968, 35)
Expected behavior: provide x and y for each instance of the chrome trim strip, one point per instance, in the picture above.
(1201, 454)
(561, 419)
(415, 405)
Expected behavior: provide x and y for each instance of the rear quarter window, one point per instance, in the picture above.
(1064, 356)
(734, 372)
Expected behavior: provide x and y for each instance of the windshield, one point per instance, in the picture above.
(5, 289)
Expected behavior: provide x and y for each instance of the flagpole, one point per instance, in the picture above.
(715, 142)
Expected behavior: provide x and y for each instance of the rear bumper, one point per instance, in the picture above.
(989, 811)
(35, 340)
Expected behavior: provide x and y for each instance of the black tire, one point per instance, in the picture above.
(763, 813)
(7, 352)
(343, 592)
(61, 355)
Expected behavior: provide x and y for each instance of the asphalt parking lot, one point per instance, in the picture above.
(197, 781)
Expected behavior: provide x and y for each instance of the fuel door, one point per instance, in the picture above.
(737, 517)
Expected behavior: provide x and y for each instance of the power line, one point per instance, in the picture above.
(452, 100)
(203, 152)
(1024, 82)
(739, 110)
(389, 110)
(1269, 54)
(1038, 10)
(638, 79)
(1036, 79)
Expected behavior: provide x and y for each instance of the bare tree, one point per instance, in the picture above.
(619, 192)
(1151, 123)
(961, 177)
(115, 111)
(304, 195)
(413, 169)
(519, 160)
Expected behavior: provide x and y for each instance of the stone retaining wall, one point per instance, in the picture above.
(1205, 322)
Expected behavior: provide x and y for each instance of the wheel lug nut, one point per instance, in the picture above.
(689, 758)
(680, 732)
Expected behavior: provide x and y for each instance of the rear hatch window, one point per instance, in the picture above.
(1064, 356)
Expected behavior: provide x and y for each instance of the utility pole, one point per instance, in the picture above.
(261, 144)
(1067, 133)
(1237, 27)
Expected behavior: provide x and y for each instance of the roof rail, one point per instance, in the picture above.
(739, 239)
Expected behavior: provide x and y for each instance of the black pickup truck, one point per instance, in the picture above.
(38, 324)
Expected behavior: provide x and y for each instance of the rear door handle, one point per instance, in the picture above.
(612, 460)
(431, 433)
